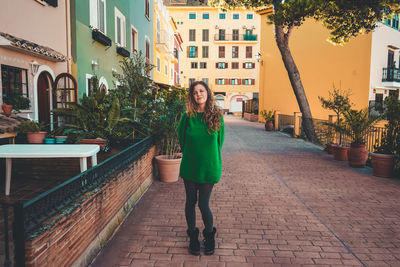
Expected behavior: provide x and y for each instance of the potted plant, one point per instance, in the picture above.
(269, 117)
(32, 130)
(14, 100)
(383, 158)
(358, 123)
(165, 123)
(338, 101)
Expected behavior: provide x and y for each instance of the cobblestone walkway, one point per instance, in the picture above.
(280, 202)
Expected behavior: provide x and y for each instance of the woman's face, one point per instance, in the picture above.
(200, 94)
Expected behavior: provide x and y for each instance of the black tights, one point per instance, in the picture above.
(204, 198)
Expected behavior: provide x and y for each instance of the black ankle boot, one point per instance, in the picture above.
(194, 246)
(209, 241)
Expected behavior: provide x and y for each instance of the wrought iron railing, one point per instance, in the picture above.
(391, 75)
(235, 37)
(372, 137)
(285, 121)
(28, 216)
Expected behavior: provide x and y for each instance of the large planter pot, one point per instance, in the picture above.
(329, 148)
(269, 126)
(382, 164)
(7, 109)
(340, 152)
(168, 168)
(36, 137)
(357, 155)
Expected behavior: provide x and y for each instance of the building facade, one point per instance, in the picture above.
(31, 59)
(358, 65)
(220, 49)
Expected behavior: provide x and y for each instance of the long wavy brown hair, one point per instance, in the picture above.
(212, 113)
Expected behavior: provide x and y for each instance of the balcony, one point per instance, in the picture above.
(162, 41)
(391, 77)
(235, 37)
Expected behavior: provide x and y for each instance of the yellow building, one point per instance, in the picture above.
(163, 44)
(358, 65)
(220, 48)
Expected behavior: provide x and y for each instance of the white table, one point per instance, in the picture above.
(47, 151)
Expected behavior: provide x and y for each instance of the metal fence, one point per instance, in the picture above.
(285, 121)
(251, 106)
(372, 138)
(321, 130)
(28, 216)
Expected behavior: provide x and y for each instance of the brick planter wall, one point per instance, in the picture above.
(250, 116)
(81, 231)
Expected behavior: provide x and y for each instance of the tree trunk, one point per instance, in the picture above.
(282, 40)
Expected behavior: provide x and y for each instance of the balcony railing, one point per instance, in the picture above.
(391, 75)
(235, 37)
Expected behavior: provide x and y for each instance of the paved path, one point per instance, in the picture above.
(280, 202)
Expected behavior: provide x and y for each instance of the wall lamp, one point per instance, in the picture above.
(34, 67)
(258, 58)
(95, 65)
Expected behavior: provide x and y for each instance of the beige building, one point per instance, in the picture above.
(220, 48)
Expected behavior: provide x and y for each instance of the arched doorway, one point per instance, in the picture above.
(236, 103)
(219, 101)
(44, 83)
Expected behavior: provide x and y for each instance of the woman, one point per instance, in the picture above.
(201, 135)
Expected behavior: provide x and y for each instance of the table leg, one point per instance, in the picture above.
(8, 175)
(94, 160)
(83, 164)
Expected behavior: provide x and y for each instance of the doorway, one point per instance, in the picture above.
(44, 83)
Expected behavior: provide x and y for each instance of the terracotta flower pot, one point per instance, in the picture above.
(95, 141)
(269, 126)
(340, 152)
(357, 155)
(329, 148)
(168, 168)
(382, 164)
(7, 109)
(36, 137)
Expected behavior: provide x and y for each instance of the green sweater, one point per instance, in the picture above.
(201, 151)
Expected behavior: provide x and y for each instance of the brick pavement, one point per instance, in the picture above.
(280, 202)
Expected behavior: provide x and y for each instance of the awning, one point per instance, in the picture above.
(30, 48)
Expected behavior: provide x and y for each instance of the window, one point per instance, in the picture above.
(98, 15)
(235, 16)
(158, 30)
(166, 69)
(203, 65)
(249, 51)
(222, 16)
(249, 16)
(206, 15)
(235, 35)
(249, 65)
(205, 35)
(134, 40)
(221, 35)
(234, 81)
(205, 80)
(249, 32)
(192, 15)
(192, 52)
(221, 65)
(205, 51)
(395, 22)
(235, 65)
(221, 51)
(158, 64)
(147, 9)
(147, 54)
(246, 81)
(194, 65)
(235, 51)
(220, 81)
(14, 79)
(191, 80)
(390, 62)
(192, 35)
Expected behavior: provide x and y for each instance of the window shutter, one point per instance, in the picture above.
(244, 65)
(216, 81)
(226, 81)
(253, 81)
(196, 51)
(243, 81)
(254, 65)
(188, 51)
(239, 81)
(216, 65)
(226, 65)
(93, 13)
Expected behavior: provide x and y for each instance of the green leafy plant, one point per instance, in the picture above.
(338, 101)
(15, 99)
(390, 143)
(268, 115)
(29, 126)
(358, 122)
(168, 108)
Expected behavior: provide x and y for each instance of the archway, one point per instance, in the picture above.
(44, 83)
